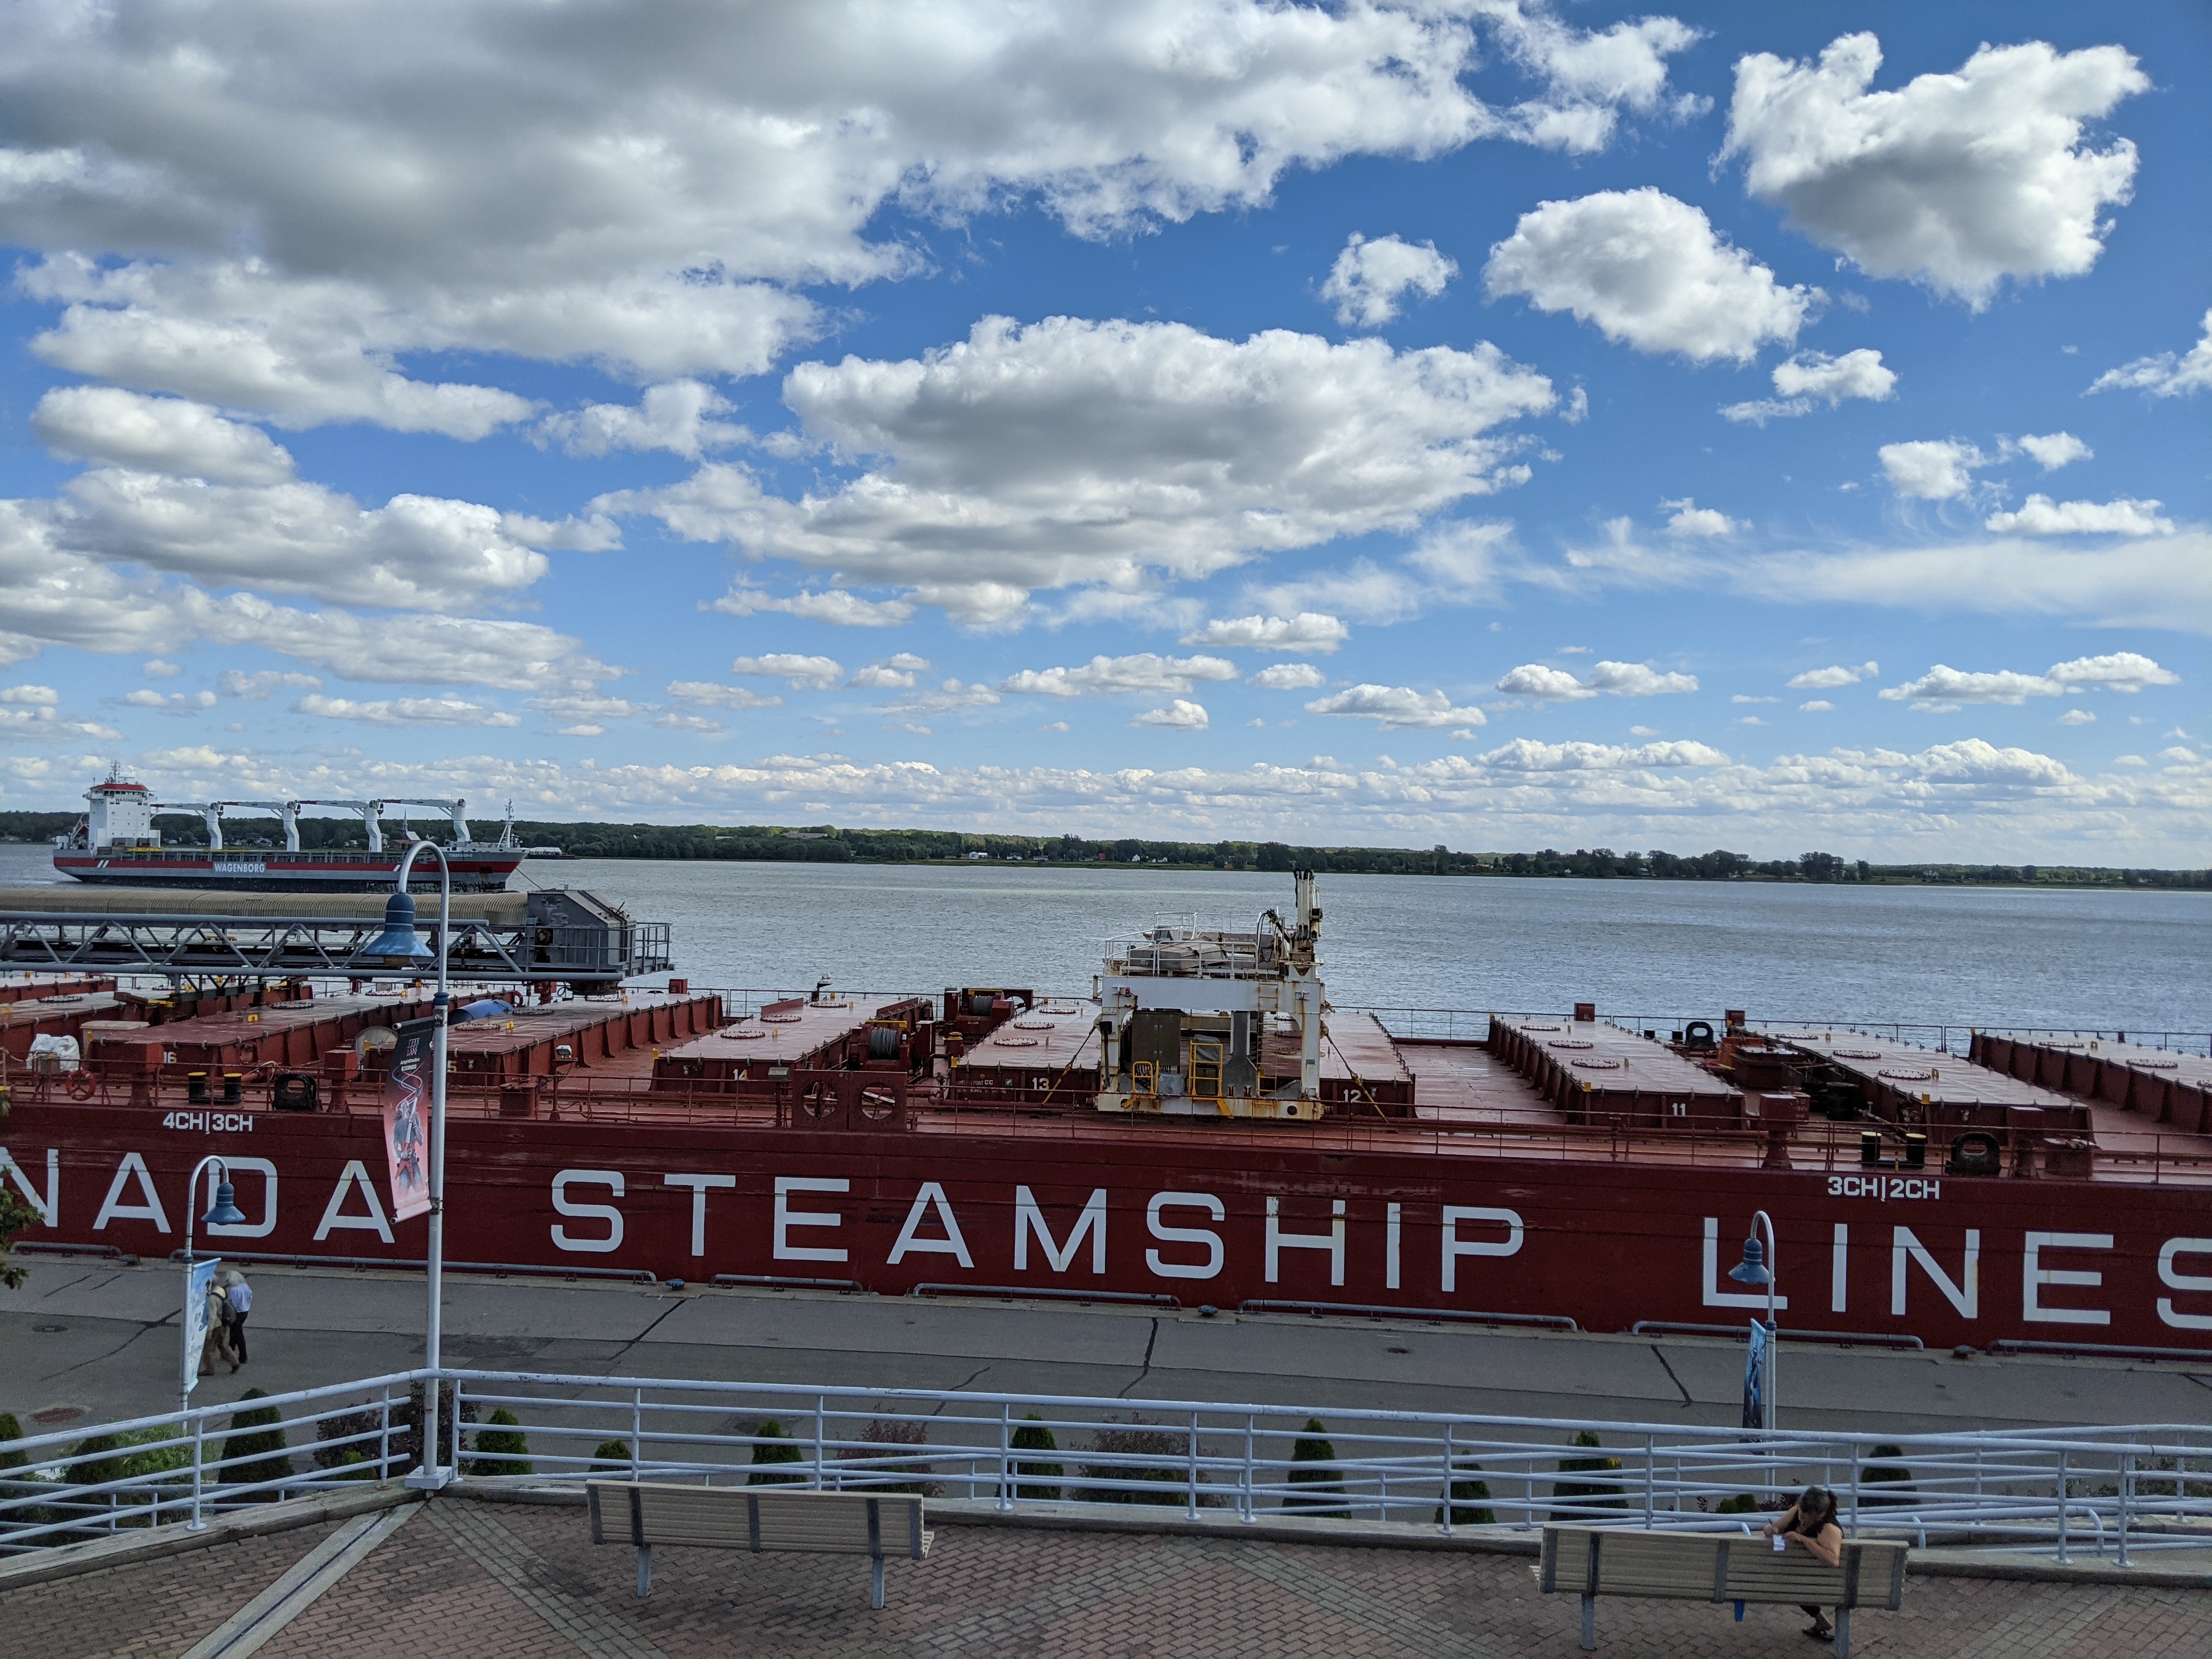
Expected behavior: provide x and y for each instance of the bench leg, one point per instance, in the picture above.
(1589, 1623)
(876, 1582)
(645, 1568)
(1842, 1633)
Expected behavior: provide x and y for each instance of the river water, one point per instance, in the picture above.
(2140, 960)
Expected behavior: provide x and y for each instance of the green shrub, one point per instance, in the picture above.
(258, 1444)
(1040, 1481)
(611, 1457)
(1136, 1442)
(889, 1433)
(1472, 1494)
(772, 1446)
(1587, 1494)
(1742, 1504)
(500, 1448)
(1879, 1472)
(1314, 1461)
(11, 1430)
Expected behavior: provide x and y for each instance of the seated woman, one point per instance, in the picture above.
(1810, 1524)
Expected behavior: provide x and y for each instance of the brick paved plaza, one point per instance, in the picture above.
(486, 1580)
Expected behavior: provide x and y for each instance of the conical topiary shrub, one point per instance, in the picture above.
(771, 1445)
(500, 1447)
(1314, 1471)
(255, 1451)
(611, 1457)
(1468, 1497)
(1883, 1471)
(1586, 1495)
(11, 1430)
(1040, 1481)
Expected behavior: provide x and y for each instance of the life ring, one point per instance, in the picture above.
(81, 1084)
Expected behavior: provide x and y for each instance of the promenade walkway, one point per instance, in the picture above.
(484, 1580)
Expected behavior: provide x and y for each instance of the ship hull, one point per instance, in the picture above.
(274, 872)
(1177, 1215)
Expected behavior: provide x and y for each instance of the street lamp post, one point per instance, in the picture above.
(399, 946)
(223, 1212)
(1761, 1264)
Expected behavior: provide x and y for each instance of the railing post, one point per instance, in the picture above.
(383, 1437)
(820, 1407)
(1647, 1454)
(1005, 1460)
(1190, 1507)
(636, 1434)
(1244, 1497)
(2127, 1486)
(453, 1460)
(1448, 1472)
(1851, 1526)
(199, 1436)
(2061, 1509)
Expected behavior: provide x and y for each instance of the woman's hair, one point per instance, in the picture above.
(1816, 1505)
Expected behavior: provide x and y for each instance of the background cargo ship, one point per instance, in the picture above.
(116, 843)
(1203, 1128)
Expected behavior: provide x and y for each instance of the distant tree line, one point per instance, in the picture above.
(828, 844)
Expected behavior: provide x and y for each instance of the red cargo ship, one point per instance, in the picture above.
(1203, 1129)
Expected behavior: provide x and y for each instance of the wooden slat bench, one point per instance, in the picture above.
(1594, 1561)
(878, 1525)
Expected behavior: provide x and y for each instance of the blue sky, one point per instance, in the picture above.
(1768, 427)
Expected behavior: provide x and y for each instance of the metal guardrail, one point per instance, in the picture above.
(322, 946)
(2131, 1488)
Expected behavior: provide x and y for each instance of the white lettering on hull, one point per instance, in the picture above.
(1216, 1254)
(566, 1205)
(787, 1218)
(113, 1208)
(266, 1169)
(336, 1219)
(2174, 1279)
(910, 1241)
(1332, 1241)
(1715, 1296)
(50, 1206)
(700, 1186)
(1455, 1247)
(2034, 1276)
(1030, 1220)
(1965, 1297)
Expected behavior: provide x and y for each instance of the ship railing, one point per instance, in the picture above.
(2107, 1491)
(1459, 1025)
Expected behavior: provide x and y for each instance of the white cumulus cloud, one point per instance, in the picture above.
(2052, 450)
(1828, 679)
(157, 434)
(1288, 676)
(1087, 454)
(1179, 715)
(1371, 278)
(1397, 708)
(833, 605)
(405, 711)
(1943, 688)
(1691, 519)
(1619, 679)
(1813, 376)
(894, 673)
(712, 696)
(676, 415)
(1957, 180)
(1931, 469)
(2038, 515)
(1648, 270)
(805, 674)
(2164, 375)
(1308, 630)
(1144, 673)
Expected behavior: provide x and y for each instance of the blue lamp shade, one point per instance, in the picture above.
(224, 1212)
(1752, 1270)
(399, 944)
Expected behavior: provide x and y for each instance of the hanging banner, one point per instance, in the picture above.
(1754, 1379)
(199, 1281)
(407, 1117)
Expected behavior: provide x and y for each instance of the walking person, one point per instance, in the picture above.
(216, 1344)
(239, 1294)
(1810, 1524)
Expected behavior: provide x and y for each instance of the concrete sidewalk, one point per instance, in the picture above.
(98, 1341)
(486, 1580)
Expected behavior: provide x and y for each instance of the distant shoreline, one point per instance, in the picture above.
(829, 844)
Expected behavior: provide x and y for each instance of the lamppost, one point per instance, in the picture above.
(223, 1212)
(1758, 1266)
(401, 947)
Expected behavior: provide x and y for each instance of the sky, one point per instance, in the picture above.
(1475, 420)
